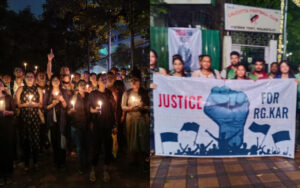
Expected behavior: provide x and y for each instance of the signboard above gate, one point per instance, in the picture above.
(251, 19)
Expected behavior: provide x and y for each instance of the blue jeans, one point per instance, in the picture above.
(79, 141)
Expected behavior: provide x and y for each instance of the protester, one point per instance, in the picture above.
(259, 70)
(135, 102)
(41, 81)
(55, 106)
(241, 72)
(18, 82)
(86, 77)
(114, 70)
(123, 74)
(67, 84)
(77, 109)
(111, 78)
(205, 70)
(100, 105)
(285, 71)
(30, 99)
(274, 68)
(76, 78)
(178, 67)
(7, 136)
(154, 69)
(7, 83)
(93, 81)
(297, 76)
(118, 90)
(154, 65)
(229, 72)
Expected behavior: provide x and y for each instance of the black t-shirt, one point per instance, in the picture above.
(105, 118)
(79, 118)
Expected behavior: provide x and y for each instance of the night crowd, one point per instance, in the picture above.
(73, 115)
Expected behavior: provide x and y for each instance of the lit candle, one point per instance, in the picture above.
(44, 91)
(73, 104)
(133, 99)
(36, 68)
(72, 76)
(25, 64)
(56, 93)
(30, 98)
(2, 105)
(100, 104)
(87, 87)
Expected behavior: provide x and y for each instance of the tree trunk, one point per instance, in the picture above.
(88, 54)
(132, 47)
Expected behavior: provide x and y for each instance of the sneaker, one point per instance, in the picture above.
(92, 175)
(106, 177)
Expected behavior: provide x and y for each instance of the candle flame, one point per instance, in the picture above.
(99, 103)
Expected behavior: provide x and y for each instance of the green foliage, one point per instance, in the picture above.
(75, 29)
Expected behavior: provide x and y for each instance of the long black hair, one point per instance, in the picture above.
(291, 74)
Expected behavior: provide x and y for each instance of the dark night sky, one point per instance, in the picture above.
(35, 5)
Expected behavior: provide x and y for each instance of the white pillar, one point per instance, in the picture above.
(227, 48)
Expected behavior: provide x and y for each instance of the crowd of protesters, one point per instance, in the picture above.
(236, 70)
(77, 115)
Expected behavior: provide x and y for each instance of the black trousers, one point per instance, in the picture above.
(59, 153)
(102, 141)
(30, 147)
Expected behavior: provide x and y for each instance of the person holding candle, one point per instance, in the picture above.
(135, 102)
(78, 112)
(100, 106)
(55, 106)
(29, 99)
(7, 136)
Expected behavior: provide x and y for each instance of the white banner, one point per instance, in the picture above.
(253, 19)
(196, 117)
(186, 42)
